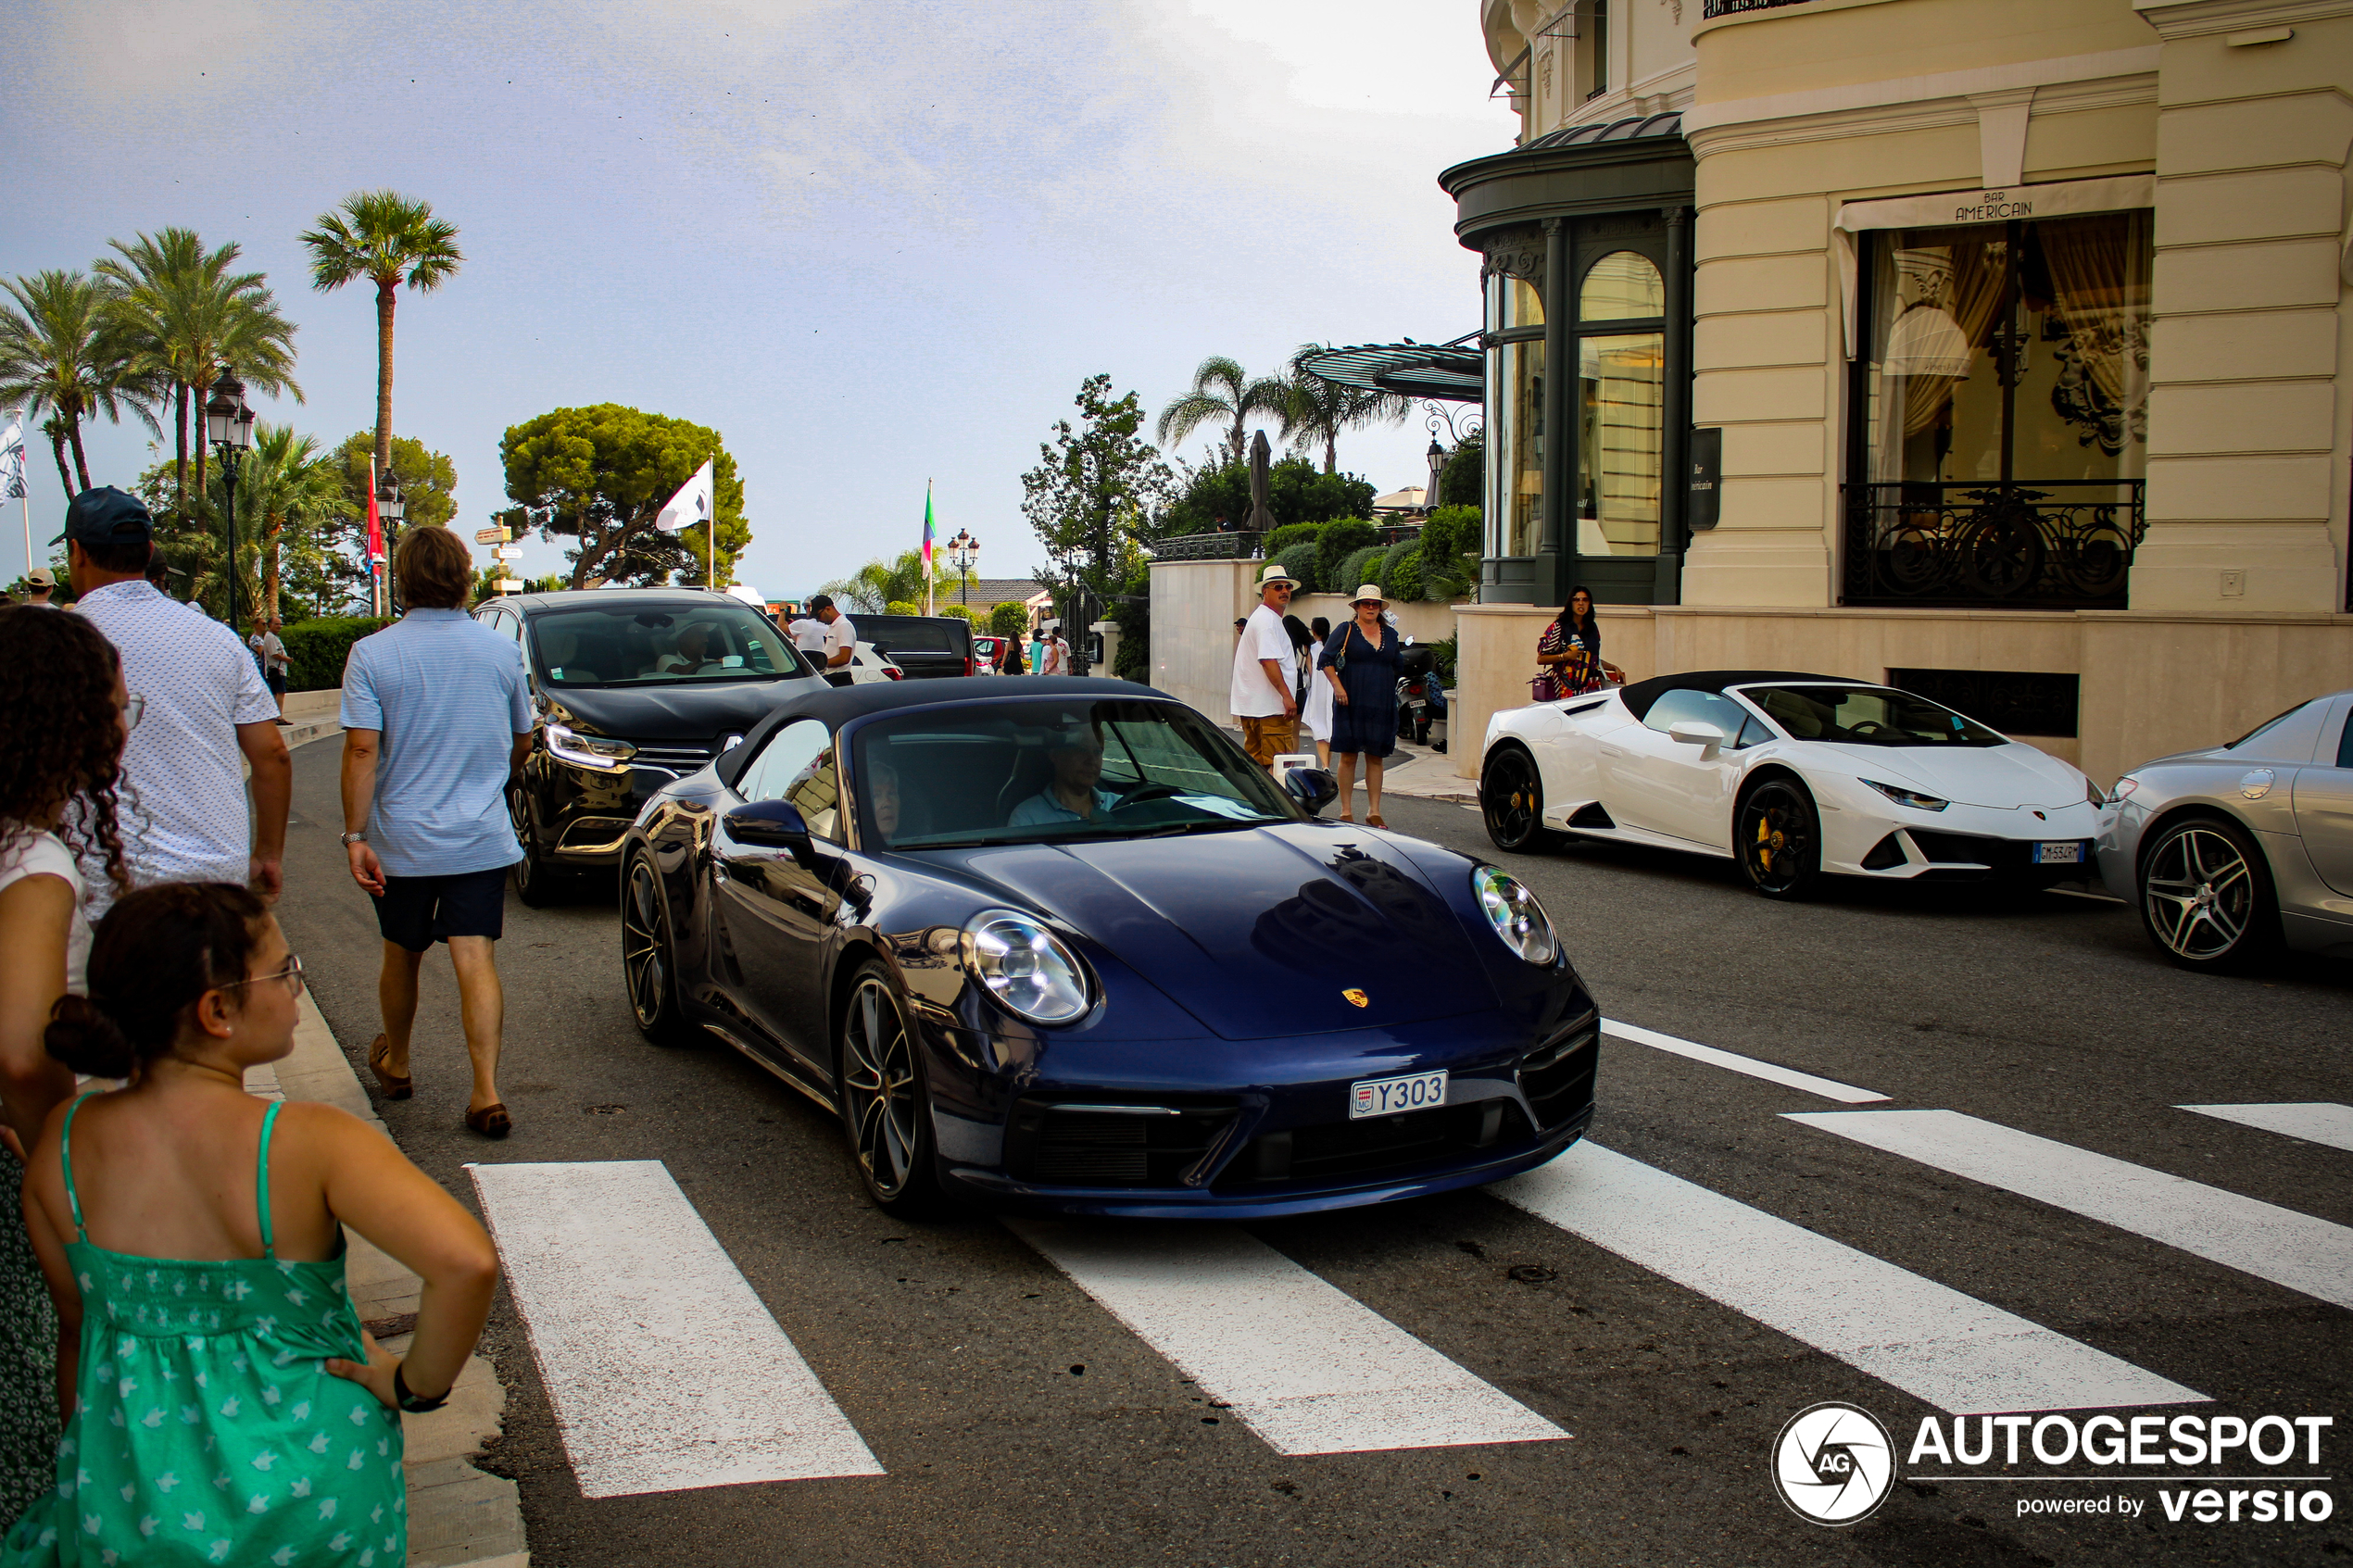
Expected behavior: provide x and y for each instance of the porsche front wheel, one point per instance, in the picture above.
(1511, 797)
(1778, 837)
(885, 1110)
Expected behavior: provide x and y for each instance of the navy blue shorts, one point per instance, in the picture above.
(417, 911)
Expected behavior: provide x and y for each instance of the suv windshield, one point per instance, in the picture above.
(1867, 716)
(1026, 772)
(629, 644)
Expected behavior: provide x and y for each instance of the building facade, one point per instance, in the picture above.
(1992, 347)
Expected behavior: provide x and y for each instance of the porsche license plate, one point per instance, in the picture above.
(2068, 854)
(1386, 1096)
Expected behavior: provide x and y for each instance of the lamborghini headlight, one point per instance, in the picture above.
(1025, 967)
(1911, 797)
(1513, 910)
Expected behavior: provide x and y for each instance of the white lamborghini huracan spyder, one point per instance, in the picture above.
(1796, 776)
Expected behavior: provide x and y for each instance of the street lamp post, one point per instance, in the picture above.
(389, 511)
(228, 426)
(963, 550)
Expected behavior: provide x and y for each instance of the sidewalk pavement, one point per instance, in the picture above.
(459, 1517)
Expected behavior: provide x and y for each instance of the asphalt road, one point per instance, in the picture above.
(956, 1351)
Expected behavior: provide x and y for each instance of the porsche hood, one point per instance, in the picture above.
(1259, 931)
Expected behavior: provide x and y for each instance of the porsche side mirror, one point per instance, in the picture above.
(1315, 787)
(773, 824)
(1691, 732)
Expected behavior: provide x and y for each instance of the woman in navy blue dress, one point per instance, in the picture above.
(1361, 662)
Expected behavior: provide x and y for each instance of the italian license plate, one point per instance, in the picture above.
(2068, 854)
(1386, 1096)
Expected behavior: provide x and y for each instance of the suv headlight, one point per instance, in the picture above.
(1025, 967)
(588, 751)
(1513, 910)
(1911, 797)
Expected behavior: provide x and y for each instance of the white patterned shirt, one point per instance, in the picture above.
(181, 802)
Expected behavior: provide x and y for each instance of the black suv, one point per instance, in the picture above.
(631, 688)
(923, 646)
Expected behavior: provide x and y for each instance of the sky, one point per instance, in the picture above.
(874, 245)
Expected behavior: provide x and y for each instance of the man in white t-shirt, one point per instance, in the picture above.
(839, 644)
(1057, 651)
(808, 633)
(1264, 666)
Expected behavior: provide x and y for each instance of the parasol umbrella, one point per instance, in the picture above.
(1262, 518)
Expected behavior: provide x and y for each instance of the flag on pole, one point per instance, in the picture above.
(12, 458)
(927, 567)
(694, 503)
(375, 522)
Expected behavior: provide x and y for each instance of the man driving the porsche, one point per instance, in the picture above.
(1073, 795)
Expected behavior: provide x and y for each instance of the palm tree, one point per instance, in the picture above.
(879, 583)
(182, 317)
(288, 489)
(1221, 392)
(1316, 410)
(57, 353)
(385, 237)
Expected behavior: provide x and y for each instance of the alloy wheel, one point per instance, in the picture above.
(1511, 798)
(1776, 835)
(882, 1103)
(2200, 894)
(644, 948)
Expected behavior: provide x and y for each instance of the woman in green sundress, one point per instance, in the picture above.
(63, 715)
(223, 1404)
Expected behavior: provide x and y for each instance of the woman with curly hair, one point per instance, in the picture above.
(63, 717)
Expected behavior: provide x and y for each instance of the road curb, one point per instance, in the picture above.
(459, 1516)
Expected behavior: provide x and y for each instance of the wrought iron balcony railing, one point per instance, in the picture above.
(2053, 544)
(1727, 7)
(1207, 546)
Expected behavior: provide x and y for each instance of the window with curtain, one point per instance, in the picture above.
(1622, 405)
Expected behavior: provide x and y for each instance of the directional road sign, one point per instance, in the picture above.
(493, 536)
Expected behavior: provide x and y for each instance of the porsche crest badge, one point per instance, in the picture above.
(1357, 998)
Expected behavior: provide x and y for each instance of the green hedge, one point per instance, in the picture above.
(1362, 565)
(1401, 572)
(1342, 538)
(316, 650)
(1295, 547)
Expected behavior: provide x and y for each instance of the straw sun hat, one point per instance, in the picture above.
(1366, 591)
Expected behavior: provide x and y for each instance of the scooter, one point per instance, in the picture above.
(1417, 666)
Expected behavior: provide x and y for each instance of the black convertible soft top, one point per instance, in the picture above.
(837, 705)
(1638, 696)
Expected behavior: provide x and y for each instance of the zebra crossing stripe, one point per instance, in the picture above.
(2296, 1250)
(1789, 1077)
(1309, 1369)
(1951, 1350)
(666, 1370)
(2319, 1122)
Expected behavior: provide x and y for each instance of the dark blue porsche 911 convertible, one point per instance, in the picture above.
(1058, 944)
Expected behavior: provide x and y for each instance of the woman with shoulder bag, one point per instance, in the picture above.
(1569, 654)
(1360, 661)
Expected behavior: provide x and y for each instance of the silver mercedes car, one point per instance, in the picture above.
(2234, 852)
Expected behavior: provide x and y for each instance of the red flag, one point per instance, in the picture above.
(375, 523)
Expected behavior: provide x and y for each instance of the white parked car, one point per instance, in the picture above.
(867, 664)
(1796, 776)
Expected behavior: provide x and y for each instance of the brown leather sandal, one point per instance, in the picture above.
(387, 1084)
(491, 1120)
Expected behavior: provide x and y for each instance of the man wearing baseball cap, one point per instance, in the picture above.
(39, 583)
(206, 705)
(1262, 696)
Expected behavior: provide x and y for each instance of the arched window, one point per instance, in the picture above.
(1622, 405)
(1622, 286)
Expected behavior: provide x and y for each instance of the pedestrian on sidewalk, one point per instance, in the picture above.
(437, 720)
(1262, 697)
(221, 1401)
(205, 708)
(1315, 709)
(39, 584)
(266, 644)
(62, 718)
(1361, 663)
(837, 641)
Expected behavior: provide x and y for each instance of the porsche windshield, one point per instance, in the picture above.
(1867, 716)
(1024, 772)
(642, 645)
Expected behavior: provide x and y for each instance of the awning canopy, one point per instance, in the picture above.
(1448, 373)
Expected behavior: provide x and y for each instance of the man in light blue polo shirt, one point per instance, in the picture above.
(1073, 795)
(436, 717)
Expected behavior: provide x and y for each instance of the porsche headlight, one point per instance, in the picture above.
(588, 751)
(1911, 797)
(1024, 967)
(1513, 910)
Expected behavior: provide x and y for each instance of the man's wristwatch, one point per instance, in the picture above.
(351, 838)
(414, 1404)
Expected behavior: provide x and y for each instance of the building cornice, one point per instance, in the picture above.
(1703, 123)
(2203, 18)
